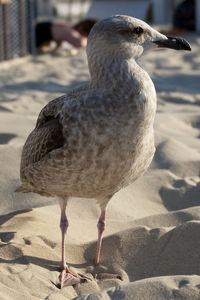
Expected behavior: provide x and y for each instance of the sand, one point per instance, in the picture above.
(152, 233)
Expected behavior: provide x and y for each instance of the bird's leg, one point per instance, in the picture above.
(66, 277)
(63, 226)
(101, 227)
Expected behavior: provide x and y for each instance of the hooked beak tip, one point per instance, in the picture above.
(176, 43)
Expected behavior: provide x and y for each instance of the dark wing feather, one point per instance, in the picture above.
(41, 141)
(50, 111)
(46, 136)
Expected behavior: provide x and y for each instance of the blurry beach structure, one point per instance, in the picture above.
(16, 30)
(157, 12)
(197, 17)
(18, 17)
(100, 9)
(103, 9)
(72, 10)
(163, 11)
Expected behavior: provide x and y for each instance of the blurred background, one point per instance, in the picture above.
(18, 17)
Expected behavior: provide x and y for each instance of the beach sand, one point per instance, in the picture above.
(152, 232)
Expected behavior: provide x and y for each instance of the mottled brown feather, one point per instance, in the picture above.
(43, 139)
(98, 138)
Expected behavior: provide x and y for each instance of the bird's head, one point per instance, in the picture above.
(124, 37)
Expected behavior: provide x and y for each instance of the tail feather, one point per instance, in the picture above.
(25, 189)
(22, 189)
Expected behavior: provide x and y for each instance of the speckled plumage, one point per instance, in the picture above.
(98, 138)
(95, 140)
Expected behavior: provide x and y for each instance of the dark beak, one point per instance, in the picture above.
(176, 43)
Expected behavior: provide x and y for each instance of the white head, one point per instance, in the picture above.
(126, 37)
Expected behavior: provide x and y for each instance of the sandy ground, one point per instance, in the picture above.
(153, 226)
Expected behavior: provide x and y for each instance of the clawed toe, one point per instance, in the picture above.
(67, 278)
(102, 276)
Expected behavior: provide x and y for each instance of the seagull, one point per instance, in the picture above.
(99, 138)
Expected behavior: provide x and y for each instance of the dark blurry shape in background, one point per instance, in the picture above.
(60, 31)
(18, 17)
(184, 16)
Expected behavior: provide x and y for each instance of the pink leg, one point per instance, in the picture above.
(63, 226)
(66, 277)
(101, 227)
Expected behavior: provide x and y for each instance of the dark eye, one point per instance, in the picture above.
(138, 30)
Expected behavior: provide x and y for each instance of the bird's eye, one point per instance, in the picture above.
(138, 30)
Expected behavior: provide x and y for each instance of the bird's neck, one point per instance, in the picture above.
(113, 73)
